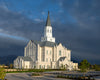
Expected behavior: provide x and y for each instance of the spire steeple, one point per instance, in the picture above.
(48, 31)
(48, 23)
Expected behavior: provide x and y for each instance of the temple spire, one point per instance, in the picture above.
(48, 31)
(48, 23)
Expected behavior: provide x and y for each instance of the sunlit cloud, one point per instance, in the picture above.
(13, 37)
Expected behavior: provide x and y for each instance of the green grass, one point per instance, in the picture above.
(18, 71)
(34, 70)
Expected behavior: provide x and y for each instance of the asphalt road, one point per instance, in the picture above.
(51, 75)
(27, 76)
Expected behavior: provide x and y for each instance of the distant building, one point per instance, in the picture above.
(45, 54)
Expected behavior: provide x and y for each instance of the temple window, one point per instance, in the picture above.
(59, 52)
(50, 52)
(47, 51)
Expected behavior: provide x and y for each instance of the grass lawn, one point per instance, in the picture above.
(34, 70)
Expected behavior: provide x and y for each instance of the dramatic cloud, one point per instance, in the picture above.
(76, 24)
(15, 31)
(83, 36)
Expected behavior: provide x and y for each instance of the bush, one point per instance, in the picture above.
(68, 77)
(84, 65)
(2, 73)
(36, 74)
(71, 77)
(89, 78)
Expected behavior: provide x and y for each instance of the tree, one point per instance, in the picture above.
(84, 65)
(11, 66)
(2, 73)
(97, 67)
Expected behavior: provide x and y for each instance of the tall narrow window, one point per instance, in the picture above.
(50, 52)
(47, 51)
(59, 52)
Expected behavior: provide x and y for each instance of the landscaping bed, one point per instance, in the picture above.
(76, 78)
(37, 74)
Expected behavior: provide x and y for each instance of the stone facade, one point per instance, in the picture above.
(46, 54)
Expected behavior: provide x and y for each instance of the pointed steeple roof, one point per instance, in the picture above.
(48, 23)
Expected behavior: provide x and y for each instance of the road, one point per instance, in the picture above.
(27, 76)
(51, 75)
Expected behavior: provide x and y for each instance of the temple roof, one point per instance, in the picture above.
(48, 23)
(26, 58)
(45, 43)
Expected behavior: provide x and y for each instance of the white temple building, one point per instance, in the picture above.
(45, 54)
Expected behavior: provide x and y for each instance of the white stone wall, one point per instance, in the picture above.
(44, 65)
(27, 64)
(64, 52)
(48, 54)
(44, 57)
(45, 54)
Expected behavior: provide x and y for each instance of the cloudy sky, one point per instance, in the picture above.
(76, 24)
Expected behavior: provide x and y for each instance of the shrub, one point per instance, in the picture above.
(2, 73)
(68, 76)
(35, 74)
